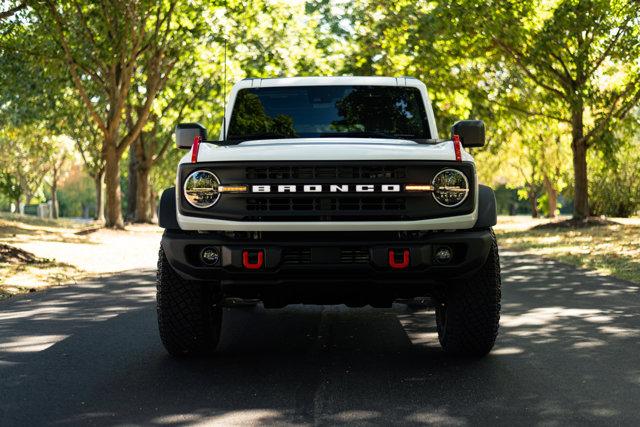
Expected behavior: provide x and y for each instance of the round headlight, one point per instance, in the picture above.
(201, 189)
(450, 187)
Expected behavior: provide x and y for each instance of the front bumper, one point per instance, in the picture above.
(307, 261)
(187, 222)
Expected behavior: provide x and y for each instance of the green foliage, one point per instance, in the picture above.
(24, 162)
(615, 188)
(543, 206)
(77, 197)
(508, 202)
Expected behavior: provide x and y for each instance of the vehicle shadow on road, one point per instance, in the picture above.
(567, 352)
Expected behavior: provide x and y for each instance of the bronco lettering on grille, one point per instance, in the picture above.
(327, 188)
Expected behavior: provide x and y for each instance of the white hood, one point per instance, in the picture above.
(301, 149)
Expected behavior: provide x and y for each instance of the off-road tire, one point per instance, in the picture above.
(468, 317)
(189, 315)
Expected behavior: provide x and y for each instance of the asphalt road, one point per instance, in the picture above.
(568, 354)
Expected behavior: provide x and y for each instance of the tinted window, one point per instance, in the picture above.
(325, 111)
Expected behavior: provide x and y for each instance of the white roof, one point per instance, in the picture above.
(331, 81)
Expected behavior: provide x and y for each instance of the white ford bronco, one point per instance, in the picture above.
(328, 190)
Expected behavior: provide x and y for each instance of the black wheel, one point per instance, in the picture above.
(189, 313)
(468, 318)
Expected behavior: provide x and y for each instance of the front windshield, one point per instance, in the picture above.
(327, 111)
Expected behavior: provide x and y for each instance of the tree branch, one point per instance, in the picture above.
(620, 31)
(531, 113)
(614, 112)
(73, 68)
(12, 11)
(567, 73)
(167, 142)
(517, 56)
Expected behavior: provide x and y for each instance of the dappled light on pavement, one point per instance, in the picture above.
(566, 354)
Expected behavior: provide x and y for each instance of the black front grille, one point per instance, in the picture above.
(324, 204)
(326, 172)
(327, 205)
(354, 256)
(296, 256)
(305, 256)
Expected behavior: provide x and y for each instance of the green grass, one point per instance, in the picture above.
(612, 250)
(29, 277)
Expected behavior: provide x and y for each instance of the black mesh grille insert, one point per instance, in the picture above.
(325, 204)
(354, 256)
(296, 256)
(347, 255)
(327, 172)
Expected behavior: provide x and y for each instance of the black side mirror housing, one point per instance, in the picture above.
(471, 132)
(186, 133)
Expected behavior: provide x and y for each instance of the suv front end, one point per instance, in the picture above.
(357, 215)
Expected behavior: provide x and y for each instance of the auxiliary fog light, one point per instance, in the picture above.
(443, 255)
(210, 255)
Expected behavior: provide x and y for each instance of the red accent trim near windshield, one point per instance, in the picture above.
(457, 146)
(195, 148)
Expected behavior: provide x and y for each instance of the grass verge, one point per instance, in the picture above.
(34, 276)
(612, 249)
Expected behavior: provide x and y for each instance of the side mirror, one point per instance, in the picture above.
(471, 132)
(186, 133)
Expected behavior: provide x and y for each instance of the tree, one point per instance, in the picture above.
(10, 188)
(111, 49)
(87, 139)
(60, 153)
(22, 162)
(187, 89)
(614, 191)
(577, 58)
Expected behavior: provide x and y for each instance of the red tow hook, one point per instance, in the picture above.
(399, 265)
(252, 265)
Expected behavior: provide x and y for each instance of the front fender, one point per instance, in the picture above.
(487, 211)
(167, 210)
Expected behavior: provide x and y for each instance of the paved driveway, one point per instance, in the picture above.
(568, 354)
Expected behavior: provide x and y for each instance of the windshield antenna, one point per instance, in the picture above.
(224, 83)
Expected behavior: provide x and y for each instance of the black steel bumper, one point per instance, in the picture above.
(401, 263)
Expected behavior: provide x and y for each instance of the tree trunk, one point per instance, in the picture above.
(154, 205)
(144, 212)
(18, 205)
(98, 181)
(54, 198)
(579, 148)
(552, 196)
(53, 213)
(132, 190)
(533, 201)
(112, 180)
